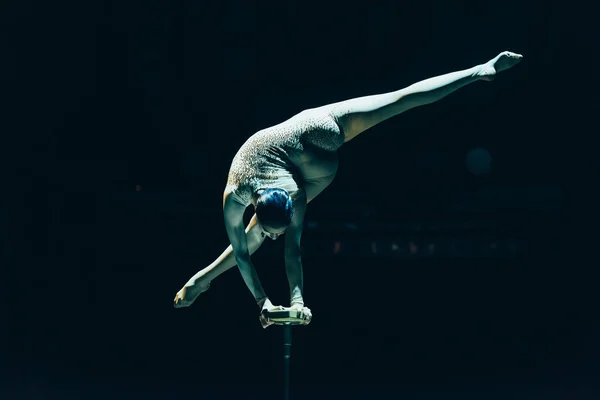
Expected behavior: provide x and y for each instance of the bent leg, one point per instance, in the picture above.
(200, 282)
(227, 260)
(359, 114)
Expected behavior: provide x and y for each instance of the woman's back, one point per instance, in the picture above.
(285, 155)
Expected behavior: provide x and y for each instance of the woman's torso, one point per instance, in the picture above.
(287, 155)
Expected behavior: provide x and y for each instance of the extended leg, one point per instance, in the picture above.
(201, 280)
(359, 114)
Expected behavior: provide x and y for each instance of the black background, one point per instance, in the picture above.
(102, 96)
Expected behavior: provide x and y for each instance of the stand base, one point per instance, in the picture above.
(286, 317)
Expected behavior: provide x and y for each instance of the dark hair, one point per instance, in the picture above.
(274, 208)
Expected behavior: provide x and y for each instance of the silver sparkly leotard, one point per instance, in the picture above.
(288, 155)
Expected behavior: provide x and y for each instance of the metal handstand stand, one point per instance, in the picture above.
(287, 318)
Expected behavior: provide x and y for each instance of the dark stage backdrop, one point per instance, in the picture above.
(427, 279)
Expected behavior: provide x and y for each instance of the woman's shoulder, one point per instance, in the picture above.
(239, 193)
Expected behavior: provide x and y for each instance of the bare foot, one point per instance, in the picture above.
(188, 294)
(502, 61)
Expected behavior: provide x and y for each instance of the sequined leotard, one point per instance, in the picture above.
(295, 153)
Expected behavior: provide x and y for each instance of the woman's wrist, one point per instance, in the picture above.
(262, 301)
(297, 300)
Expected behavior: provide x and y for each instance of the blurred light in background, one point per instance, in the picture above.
(437, 247)
(479, 161)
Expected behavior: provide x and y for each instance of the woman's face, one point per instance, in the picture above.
(272, 233)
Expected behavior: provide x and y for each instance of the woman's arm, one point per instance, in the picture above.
(293, 259)
(234, 225)
(293, 256)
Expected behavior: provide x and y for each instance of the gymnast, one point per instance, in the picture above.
(279, 170)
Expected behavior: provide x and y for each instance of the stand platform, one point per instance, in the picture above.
(286, 316)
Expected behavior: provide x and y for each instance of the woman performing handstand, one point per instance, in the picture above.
(279, 170)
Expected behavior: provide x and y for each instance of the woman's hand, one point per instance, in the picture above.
(304, 310)
(266, 308)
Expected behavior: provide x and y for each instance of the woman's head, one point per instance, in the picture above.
(274, 210)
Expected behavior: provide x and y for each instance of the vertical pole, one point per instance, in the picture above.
(287, 354)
